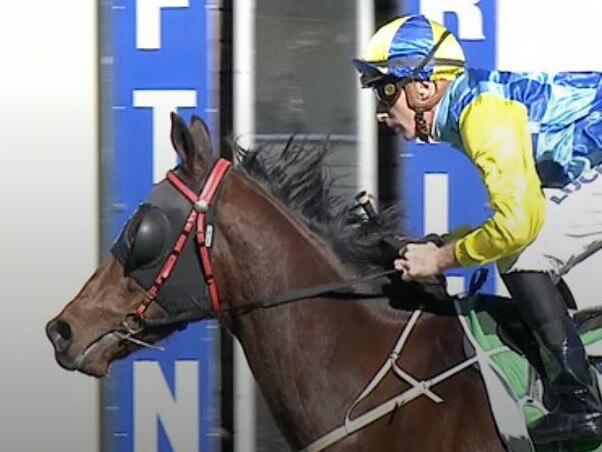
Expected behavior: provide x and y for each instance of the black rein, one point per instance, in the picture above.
(276, 300)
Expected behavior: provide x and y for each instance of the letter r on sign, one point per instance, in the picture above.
(470, 16)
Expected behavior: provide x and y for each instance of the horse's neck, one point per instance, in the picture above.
(310, 358)
(282, 252)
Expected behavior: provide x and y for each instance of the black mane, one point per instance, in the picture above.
(299, 177)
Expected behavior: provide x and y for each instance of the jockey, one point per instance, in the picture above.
(523, 132)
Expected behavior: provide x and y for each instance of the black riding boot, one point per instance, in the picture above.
(577, 414)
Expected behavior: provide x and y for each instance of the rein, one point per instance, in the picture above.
(135, 322)
(199, 217)
(277, 300)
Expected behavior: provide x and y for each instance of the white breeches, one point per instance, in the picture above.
(572, 230)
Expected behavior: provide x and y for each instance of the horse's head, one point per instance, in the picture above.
(278, 228)
(152, 281)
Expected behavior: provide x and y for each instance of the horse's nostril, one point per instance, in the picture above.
(60, 334)
(64, 330)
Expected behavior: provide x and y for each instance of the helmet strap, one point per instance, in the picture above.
(422, 129)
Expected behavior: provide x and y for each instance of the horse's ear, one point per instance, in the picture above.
(184, 144)
(201, 136)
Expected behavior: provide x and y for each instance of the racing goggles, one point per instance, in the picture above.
(387, 90)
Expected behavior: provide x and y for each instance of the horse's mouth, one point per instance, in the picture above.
(96, 359)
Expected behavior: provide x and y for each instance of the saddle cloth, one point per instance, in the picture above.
(513, 384)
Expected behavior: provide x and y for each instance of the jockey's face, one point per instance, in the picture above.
(400, 117)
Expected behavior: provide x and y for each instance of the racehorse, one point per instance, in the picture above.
(267, 226)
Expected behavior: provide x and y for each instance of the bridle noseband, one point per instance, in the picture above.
(134, 322)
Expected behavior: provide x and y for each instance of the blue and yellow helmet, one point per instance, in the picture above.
(411, 47)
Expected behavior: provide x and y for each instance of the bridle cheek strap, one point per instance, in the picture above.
(201, 204)
(204, 235)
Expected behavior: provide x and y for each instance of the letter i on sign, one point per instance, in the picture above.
(436, 217)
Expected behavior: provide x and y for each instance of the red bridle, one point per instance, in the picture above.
(204, 235)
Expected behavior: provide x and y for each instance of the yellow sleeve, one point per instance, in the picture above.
(496, 138)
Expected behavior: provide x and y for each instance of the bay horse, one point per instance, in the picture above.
(276, 227)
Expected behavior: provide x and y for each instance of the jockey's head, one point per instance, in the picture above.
(408, 64)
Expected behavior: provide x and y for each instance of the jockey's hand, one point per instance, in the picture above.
(421, 260)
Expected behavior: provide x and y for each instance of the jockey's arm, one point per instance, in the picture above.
(496, 138)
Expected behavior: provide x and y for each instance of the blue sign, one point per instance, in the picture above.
(157, 401)
(440, 188)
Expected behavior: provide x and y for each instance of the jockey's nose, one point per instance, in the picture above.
(59, 333)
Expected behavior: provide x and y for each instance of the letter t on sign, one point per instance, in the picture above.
(162, 102)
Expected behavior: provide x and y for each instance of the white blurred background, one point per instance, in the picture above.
(48, 197)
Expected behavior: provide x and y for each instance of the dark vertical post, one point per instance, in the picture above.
(225, 78)
(388, 158)
(225, 125)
